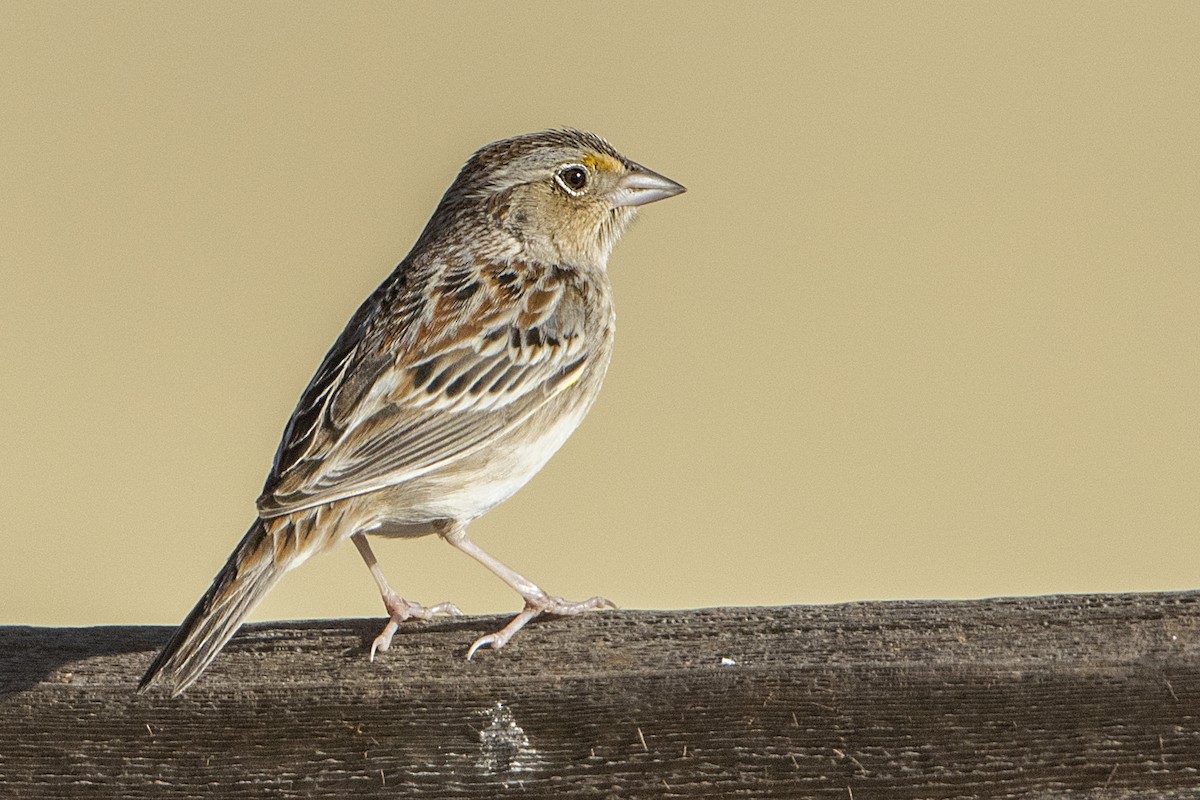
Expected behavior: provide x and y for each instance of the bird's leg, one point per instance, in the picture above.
(397, 607)
(537, 602)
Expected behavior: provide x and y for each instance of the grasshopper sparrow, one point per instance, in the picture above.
(450, 387)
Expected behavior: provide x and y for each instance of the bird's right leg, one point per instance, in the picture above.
(397, 607)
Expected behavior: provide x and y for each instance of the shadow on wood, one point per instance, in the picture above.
(1070, 697)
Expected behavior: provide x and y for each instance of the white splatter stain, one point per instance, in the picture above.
(503, 746)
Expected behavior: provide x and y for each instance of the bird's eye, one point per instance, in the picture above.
(573, 178)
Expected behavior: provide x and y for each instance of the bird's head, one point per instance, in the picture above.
(559, 196)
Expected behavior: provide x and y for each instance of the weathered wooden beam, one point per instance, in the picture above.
(1066, 697)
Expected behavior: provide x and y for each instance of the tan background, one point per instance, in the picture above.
(925, 324)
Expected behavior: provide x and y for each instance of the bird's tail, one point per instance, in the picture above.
(268, 550)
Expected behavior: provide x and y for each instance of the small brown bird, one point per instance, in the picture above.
(450, 387)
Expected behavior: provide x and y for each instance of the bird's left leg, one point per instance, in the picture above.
(397, 607)
(537, 602)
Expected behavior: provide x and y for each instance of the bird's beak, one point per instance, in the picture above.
(641, 186)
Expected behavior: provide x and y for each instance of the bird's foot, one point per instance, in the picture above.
(537, 606)
(402, 610)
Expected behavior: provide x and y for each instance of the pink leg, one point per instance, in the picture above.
(537, 602)
(397, 607)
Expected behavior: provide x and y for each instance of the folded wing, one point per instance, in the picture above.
(468, 355)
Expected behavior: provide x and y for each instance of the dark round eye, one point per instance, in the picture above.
(573, 178)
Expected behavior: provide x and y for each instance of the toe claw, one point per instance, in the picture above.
(599, 602)
(483, 641)
(384, 640)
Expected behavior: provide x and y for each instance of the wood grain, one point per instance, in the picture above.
(1066, 697)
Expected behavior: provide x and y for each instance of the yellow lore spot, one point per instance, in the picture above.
(598, 162)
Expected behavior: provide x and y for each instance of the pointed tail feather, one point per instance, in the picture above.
(258, 562)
